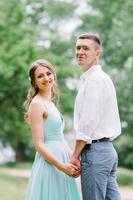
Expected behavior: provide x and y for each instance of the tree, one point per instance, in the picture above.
(37, 29)
(17, 50)
(113, 21)
(21, 36)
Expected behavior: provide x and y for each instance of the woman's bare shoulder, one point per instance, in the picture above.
(36, 101)
(38, 106)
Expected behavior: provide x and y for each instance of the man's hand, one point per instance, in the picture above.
(76, 154)
(69, 169)
(76, 162)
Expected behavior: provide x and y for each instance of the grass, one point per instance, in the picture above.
(24, 165)
(125, 177)
(12, 188)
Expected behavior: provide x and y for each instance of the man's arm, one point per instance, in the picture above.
(75, 156)
(86, 117)
(78, 148)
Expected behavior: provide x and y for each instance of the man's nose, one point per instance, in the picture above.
(80, 50)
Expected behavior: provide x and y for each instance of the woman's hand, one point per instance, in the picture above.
(70, 169)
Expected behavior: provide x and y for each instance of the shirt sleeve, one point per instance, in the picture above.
(88, 112)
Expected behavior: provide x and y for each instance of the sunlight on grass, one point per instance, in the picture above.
(12, 188)
(21, 165)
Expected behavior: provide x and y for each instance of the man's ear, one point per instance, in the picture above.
(98, 53)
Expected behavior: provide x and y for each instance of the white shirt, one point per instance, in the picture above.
(96, 112)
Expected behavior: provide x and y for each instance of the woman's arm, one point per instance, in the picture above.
(36, 120)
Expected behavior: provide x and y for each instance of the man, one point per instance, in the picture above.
(96, 124)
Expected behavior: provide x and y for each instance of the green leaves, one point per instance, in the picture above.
(38, 29)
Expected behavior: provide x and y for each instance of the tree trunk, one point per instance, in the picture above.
(20, 156)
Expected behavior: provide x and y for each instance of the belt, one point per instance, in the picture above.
(87, 146)
(101, 140)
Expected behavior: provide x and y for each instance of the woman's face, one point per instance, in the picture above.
(44, 78)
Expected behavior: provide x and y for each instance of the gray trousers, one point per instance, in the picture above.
(98, 172)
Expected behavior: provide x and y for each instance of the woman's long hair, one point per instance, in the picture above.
(34, 89)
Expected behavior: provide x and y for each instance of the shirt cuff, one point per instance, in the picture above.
(83, 136)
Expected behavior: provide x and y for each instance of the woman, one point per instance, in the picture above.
(51, 176)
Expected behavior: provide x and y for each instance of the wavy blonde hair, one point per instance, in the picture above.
(34, 89)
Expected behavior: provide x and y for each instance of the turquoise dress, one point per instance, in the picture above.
(46, 181)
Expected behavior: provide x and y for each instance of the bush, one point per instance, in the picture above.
(124, 147)
(125, 177)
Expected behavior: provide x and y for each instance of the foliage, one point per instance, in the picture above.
(38, 29)
(125, 177)
(17, 50)
(20, 37)
(124, 148)
(113, 21)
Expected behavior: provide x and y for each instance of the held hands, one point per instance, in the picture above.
(70, 169)
(76, 163)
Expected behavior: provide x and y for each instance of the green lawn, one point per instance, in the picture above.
(24, 165)
(12, 188)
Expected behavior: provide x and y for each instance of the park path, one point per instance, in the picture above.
(126, 192)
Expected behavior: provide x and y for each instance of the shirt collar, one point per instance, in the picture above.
(89, 71)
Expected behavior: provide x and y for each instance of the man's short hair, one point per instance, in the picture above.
(91, 36)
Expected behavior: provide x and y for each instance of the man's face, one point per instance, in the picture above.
(86, 53)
